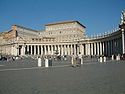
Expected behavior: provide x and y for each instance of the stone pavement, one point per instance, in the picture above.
(24, 77)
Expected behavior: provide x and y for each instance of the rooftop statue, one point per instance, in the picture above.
(123, 17)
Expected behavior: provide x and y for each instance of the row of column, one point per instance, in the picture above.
(68, 49)
(106, 48)
(48, 49)
(92, 48)
(113, 47)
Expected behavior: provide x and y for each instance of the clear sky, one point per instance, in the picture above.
(97, 15)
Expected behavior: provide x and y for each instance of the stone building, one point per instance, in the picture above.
(63, 38)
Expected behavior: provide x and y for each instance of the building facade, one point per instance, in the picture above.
(62, 38)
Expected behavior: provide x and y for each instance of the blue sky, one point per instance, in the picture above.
(97, 15)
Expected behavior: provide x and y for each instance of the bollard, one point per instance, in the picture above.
(39, 62)
(46, 63)
(112, 57)
(100, 59)
(81, 61)
(72, 60)
(104, 59)
(118, 57)
(65, 58)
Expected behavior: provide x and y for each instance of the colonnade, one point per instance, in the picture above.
(106, 48)
(67, 49)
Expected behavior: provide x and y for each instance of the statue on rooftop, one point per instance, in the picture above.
(122, 17)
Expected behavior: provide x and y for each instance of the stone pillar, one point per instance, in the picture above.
(88, 48)
(31, 49)
(37, 49)
(68, 50)
(123, 41)
(45, 50)
(65, 50)
(34, 49)
(81, 49)
(111, 47)
(103, 51)
(100, 48)
(23, 50)
(48, 49)
(41, 49)
(71, 50)
(91, 48)
(108, 48)
(55, 47)
(51, 49)
(105, 48)
(28, 49)
(74, 49)
(59, 49)
(95, 49)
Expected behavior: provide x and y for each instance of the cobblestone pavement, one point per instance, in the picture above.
(24, 77)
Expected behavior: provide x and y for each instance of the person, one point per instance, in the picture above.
(50, 61)
(73, 60)
(80, 59)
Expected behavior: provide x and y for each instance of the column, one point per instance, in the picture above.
(111, 47)
(45, 49)
(55, 48)
(80, 48)
(65, 50)
(31, 50)
(51, 49)
(123, 41)
(37, 48)
(68, 49)
(103, 51)
(23, 50)
(74, 49)
(97, 48)
(48, 49)
(100, 48)
(34, 49)
(88, 48)
(61, 50)
(83, 49)
(71, 50)
(92, 53)
(108, 48)
(41, 49)
(28, 49)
